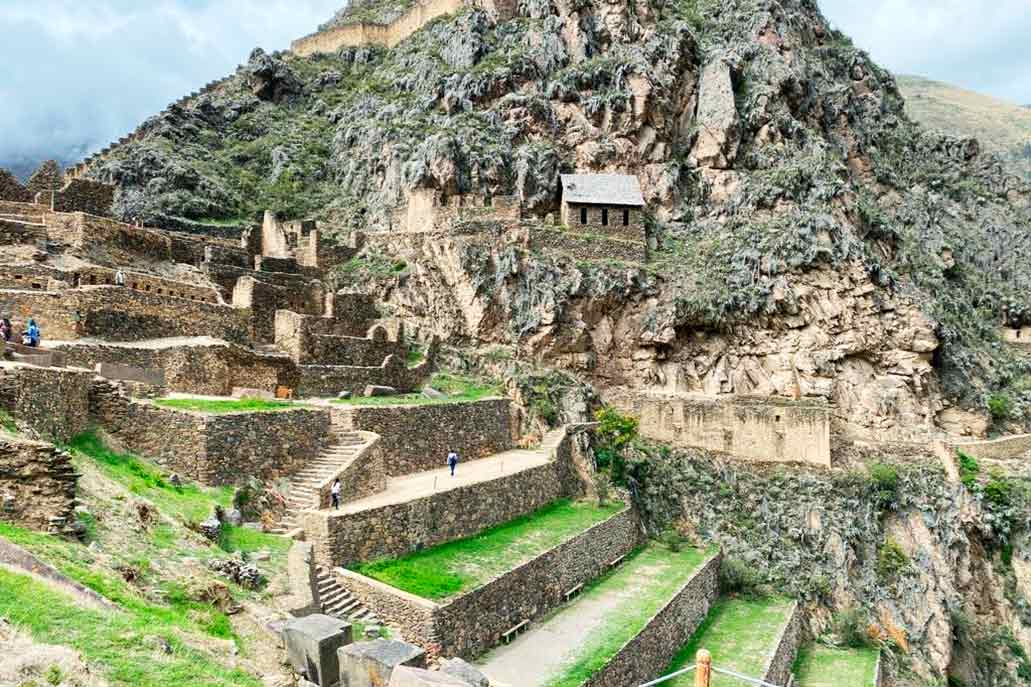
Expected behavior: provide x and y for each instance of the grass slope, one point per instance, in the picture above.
(123, 644)
(819, 665)
(740, 635)
(1001, 127)
(656, 573)
(218, 406)
(457, 566)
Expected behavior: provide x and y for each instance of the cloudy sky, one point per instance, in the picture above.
(74, 75)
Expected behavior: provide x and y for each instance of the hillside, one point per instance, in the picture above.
(1002, 127)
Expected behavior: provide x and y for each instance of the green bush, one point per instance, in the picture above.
(968, 469)
(614, 435)
(673, 540)
(885, 480)
(1000, 406)
(892, 561)
(738, 577)
(850, 625)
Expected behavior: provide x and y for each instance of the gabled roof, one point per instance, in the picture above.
(602, 189)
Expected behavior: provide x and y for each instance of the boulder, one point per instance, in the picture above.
(430, 392)
(312, 643)
(370, 664)
(404, 676)
(374, 390)
(211, 528)
(465, 672)
(344, 395)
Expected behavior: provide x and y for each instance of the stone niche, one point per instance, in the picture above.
(762, 429)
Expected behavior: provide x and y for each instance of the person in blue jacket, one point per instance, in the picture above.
(32, 334)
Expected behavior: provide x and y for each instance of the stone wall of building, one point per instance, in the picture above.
(99, 276)
(330, 380)
(397, 529)
(32, 277)
(777, 670)
(14, 233)
(83, 195)
(473, 622)
(762, 429)
(417, 437)
(618, 222)
(427, 211)
(54, 402)
(11, 189)
(585, 246)
(37, 484)
(650, 652)
(214, 449)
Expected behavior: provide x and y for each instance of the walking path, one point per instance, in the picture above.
(580, 638)
(411, 487)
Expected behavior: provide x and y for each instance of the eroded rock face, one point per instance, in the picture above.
(270, 78)
(716, 120)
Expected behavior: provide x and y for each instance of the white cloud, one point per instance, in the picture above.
(979, 44)
(80, 74)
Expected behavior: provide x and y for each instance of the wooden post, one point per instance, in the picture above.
(703, 668)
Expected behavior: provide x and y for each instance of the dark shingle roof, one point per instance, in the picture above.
(602, 189)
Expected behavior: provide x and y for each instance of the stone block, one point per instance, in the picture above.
(129, 373)
(312, 643)
(404, 676)
(465, 672)
(370, 664)
(374, 390)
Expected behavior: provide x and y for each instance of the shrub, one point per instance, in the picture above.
(673, 540)
(851, 627)
(1000, 406)
(738, 577)
(968, 469)
(603, 485)
(885, 479)
(892, 561)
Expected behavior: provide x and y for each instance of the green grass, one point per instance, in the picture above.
(189, 503)
(458, 566)
(819, 665)
(217, 406)
(655, 573)
(456, 388)
(122, 644)
(740, 634)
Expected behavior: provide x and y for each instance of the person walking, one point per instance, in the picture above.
(334, 494)
(5, 329)
(119, 277)
(452, 460)
(32, 334)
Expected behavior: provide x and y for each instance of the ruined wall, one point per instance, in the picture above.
(427, 211)
(763, 429)
(11, 189)
(14, 233)
(329, 380)
(1005, 448)
(53, 402)
(83, 195)
(397, 529)
(475, 621)
(417, 438)
(650, 652)
(97, 276)
(585, 246)
(37, 484)
(214, 449)
(32, 277)
(354, 35)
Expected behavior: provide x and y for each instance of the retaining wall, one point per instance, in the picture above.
(778, 667)
(54, 402)
(329, 380)
(649, 653)
(214, 449)
(475, 621)
(1006, 448)
(389, 35)
(37, 484)
(417, 437)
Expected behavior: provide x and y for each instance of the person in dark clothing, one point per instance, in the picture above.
(5, 329)
(452, 460)
(334, 494)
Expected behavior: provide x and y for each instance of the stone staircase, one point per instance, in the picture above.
(305, 483)
(338, 602)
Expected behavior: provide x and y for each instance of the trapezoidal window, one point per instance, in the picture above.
(626, 217)
(604, 217)
(583, 215)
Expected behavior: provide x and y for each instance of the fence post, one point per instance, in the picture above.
(703, 668)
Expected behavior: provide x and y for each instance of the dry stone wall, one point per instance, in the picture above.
(472, 623)
(37, 484)
(329, 380)
(355, 35)
(11, 189)
(417, 438)
(14, 233)
(586, 246)
(83, 195)
(53, 402)
(778, 668)
(649, 653)
(214, 449)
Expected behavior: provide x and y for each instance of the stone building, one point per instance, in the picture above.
(609, 204)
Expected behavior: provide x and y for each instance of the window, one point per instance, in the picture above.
(626, 217)
(583, 215)
(604, 217)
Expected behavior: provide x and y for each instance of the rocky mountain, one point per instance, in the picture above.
(1002, 127)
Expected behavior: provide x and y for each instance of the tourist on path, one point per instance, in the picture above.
(452, 460)
(5, 329)
(334, 493)
(32, 334)
(119, 278)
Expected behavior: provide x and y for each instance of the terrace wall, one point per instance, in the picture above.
(778, 668)
(394, 530)
(11, 189)
(417, 438)
(1005, 448)
(214, 449)
(475, 621)
(16, 233)
(585, 246)
(649, 653)
(761, 429)
(37, 483)
(330, 380)
(54, 402)
(83, 195)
